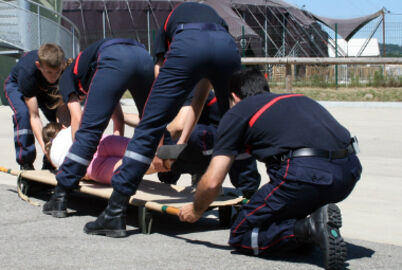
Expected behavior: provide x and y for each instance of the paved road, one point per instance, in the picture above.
(372, 216)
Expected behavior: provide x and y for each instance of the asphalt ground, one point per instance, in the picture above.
(372, 215)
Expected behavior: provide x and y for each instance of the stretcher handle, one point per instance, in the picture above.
(171, 210)
(10, 171)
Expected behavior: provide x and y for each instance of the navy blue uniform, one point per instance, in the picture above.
(271, 127)
(243, 174)
(196, 44)
(102, 72)
(26, 80)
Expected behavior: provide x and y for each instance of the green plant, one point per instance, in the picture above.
(378, 79)
(354, 80)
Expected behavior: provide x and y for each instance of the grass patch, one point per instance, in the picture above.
(348, 94)
(340, 94)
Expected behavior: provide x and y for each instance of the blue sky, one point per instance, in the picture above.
(347, 8)
(357, 8)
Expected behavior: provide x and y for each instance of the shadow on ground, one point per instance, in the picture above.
(80, 204)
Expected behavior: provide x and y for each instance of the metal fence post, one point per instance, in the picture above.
(73, 35)
(148, 31)
(336, 55)
(288, 78)
(39, 39)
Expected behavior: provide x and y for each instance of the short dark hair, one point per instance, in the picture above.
(248, 82)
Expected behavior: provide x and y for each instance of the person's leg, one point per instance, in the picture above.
(244, 176)
(275, 218)
(24, 139)
(109, 152)
(187, 62)
(226, 60)
(102, 168)
(112, 145)
(140, 89)
(279, 204)
(177, 77)
(104, 94)
(115, 69)
(260, 211)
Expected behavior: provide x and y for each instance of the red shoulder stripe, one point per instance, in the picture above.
(266, 107)
(76, 64)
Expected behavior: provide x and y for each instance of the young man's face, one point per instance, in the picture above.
(51, 74)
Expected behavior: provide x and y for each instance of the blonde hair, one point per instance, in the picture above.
(49, 132)
(52, 55)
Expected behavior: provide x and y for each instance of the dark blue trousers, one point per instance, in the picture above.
(119, 67)
(297, 188)
(193, 55)
(24, 140)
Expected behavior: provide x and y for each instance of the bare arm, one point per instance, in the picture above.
(158, 66)
(131, 119)
(200, 96)
(74, 107)
(150, 170)
(118, 121)
(34, 119)
(175, 127)
(207, 189)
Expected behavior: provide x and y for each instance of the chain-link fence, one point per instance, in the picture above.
(32, 24)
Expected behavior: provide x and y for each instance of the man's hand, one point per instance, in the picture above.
(188, 214)
(159, 165)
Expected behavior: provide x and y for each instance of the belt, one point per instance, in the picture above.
(311, 152)
(200, 26)
(120, 41)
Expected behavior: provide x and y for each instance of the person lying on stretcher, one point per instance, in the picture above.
(106, 160)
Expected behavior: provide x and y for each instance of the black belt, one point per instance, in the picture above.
(200, 26)
(311, 152)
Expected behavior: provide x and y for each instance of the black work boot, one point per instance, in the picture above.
(112, 221)
(57, 205)
(322, 229)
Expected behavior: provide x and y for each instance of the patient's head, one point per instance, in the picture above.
(49, 132)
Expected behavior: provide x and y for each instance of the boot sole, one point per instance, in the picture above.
(335, 250)
(56, 214)
(334, 216)
(108, 233)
